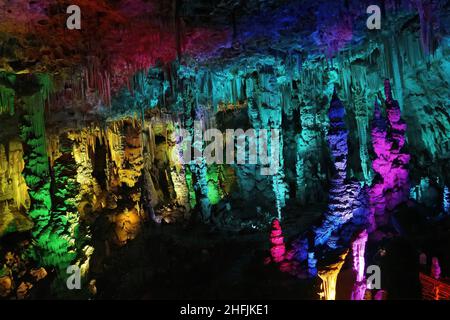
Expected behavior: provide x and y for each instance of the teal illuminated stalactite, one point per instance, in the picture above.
(362, 123)
(313, 88)
(197, 166)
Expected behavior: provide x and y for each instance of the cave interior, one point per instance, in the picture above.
(97, 201)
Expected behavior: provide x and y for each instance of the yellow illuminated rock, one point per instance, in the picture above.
(329, 276)
(127, 226)
(14, 198)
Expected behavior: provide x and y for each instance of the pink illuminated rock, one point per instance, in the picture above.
(391, 183)
(435, 268)
(358, 265)
(278, 249)
(358, 250)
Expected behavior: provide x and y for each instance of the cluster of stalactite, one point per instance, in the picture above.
(292, 94)
(114, 174)
(310, 165)
(349, 206)
(109, 165)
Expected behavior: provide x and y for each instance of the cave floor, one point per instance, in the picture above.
(196, 262)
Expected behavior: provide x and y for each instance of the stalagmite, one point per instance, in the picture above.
(391, 186)
(358, 265)
(435, 268)
(278, 249)
(339, 205)
(329, 276)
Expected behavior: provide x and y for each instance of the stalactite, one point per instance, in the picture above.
(97, 78)
(271, 117)
(279, 186)
(362, 122)
(428, 23)
(307, 150)
(396, 64)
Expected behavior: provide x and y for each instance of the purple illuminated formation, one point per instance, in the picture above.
(435, 268)
(339, 204)
(391, 185)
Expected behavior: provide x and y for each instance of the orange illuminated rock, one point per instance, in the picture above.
(23, 290)
(127, 226)
(329, 276)
(5, 286)
(38, 274)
